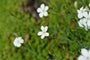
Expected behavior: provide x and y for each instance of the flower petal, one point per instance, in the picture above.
(42, 37)
(89, 52)
(85, 14)
(42, 6)
(81, 58)
(41, 15)
(39, 33)
(18, 45)
(46, 8)
(19, 38)
(80, 15)
(80, 23)
(21, 41)
(89, 4)
(84, 52)
(46, 28)
(89, 13)
(88, 22)
(42, 28)
(45, 14)
(78, 11)
(81, 8)
(46, 34)
(39, 10)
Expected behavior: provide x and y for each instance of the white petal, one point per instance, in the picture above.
(89, 52)
(42, 37)
(14, 42)
(46, 8)
(84, 52)
(18, 45)
(81, 58)
(41, 15)
(39, 33)
(88, 23)
(80, 23)
(85, 14)
(45, 14)
(42, 6)
(42, 28)
(80, 15)
(78, 11)
(19, 38)
(39, 10)
(89, 4)
(85, 9)
(81, 8)
(46, 28)
(21, 41)
(46, 34)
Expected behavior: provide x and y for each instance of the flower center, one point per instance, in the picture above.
(82, 11)
(18, 41)
(87, 58)
(44, 32)
(43, 10)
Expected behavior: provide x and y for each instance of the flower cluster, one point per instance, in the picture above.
(85, 54)
(42, 12)
(84, 16)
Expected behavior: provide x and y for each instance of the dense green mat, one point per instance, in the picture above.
(66, 37)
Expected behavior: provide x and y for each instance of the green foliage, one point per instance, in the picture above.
(65, 40)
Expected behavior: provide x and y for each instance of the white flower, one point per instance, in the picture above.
(84, 15)
(44, 32)
(43, 10)
(81, 12)
(83, 23)
(87, 16)
(18, 41)
(85, 55)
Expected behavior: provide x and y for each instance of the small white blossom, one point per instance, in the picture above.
(44, 32)
(85, 55)
(83, 23)
(81, 12)
(18, 41)
(87, 17)
(42, 10)
(84, 15)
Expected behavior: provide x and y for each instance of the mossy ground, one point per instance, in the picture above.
(66, 37)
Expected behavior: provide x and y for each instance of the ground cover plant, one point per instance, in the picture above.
(65, 40)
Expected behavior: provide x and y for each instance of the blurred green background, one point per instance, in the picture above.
(19, 18)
